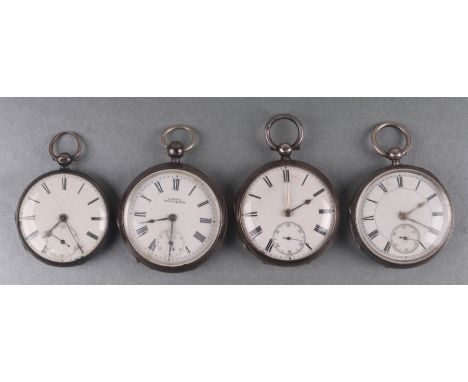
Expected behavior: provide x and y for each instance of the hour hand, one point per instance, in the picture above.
(289, 212)
(404, 215)
(154, 220)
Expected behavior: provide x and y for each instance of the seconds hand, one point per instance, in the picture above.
(172, 218)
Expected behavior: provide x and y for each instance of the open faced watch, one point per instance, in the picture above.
(401, 215)
(172, 216)
(286, 211)
(63, 216)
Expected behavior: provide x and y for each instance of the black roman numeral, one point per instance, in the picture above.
(159, 187)
(326, 211)
(269, 246)
(44, 186)
(32, 217)
(187, 250)
(387, 247)
(255, 196)
(202, 203)
(34, 200)
(319, 192)
(400, 181)
(268, 181)
(431, 197)
(152, 245)
(305, 179)
(308, 246)
(190, 193)
(93, 201)
(97, 218)
(92, 235)
(286, 175)
(434, 231)
(252, 214)
(32, 235)
(144, 197)
(256, 232)
(382, 187)
(197, 235)
(80, 189)
(421, 244)
(368, 217)
(321, 230)
(175, 184)
(140, 214)
(142, 231)
(373, 234)
(64, 183)
(370, 200)
(417, 186)
(205, 220)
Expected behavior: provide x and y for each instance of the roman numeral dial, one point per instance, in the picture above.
(179, 225)
(402, 216)
(63, 217)
(286, 213)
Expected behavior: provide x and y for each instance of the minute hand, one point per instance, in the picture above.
(74, 238)
(415, 208)
(423, 225)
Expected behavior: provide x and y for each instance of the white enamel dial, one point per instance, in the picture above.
(63, 217)
(171, 218)
(287, 212)
(403, 216)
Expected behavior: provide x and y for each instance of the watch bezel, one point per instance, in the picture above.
(354, 225)
(223, 217)
(243, 234)
(104, 238)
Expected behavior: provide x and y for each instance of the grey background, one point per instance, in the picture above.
(122, 137)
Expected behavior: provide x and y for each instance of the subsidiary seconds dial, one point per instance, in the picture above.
(287, 211)
(62, 217)
(171, 217)
(403, 216)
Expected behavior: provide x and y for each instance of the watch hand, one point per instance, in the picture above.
(407, 238)
(49, 232)
(287, 197)
(170, 239)
(61, 240)
(289, 212)
(423, 225)
(291, 238)
(154, 220)
(74, 238)
(404, 215)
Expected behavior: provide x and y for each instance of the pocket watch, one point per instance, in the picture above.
(172, 217)
(286, 211)
(402, 215)
(63, 216)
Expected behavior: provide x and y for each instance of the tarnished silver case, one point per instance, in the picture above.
(219, 198)
(82, 259)
(353, 216)
(243, 235)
